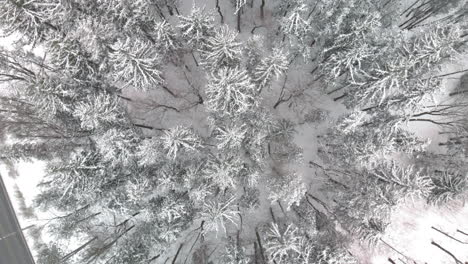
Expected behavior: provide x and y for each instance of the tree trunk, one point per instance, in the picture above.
(447, 235)
(272, 215)
(255, 252)
(340, 97)
(74, 252)
(260, 246)
(239, 20)
(458, 92)
(409, 8)
(461, 232)
(160, 12)
(169, 9)
(397, 251)
(219, 11)
(177, 254)
(148, 127)
(262, 11)
(99, 251)
(281, 207)
(194, 59)
(124, 98)
(448, 252)
(169, 91)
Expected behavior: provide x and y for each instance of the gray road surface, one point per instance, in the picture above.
(13, 246)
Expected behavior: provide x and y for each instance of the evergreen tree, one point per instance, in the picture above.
(197, 27)
(99, 111)
(75, 183)
(286, 244)
(270, 67)
(230, 91)
(235, 254)
(218, 213)
(118, 146)
(180, 139)
(222, 49)
(225, 171)
(136, 64)
(166, 38)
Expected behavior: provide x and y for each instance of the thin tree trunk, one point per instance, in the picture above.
(255, 252)
(458, 92)
(169, 91)
(340, 97)
(428, 14)
(124, 98)
(447, 235)
(262, 11)
(272, 215)
(281, 207)
(314, 70)
(451, 73)
(254, 28)
(196, 240)
(409, 8)
(397, 251)
(101, 250)
(160, 12)
(74, 252)
(88, 217)
(320, 202)
(461, 232)
(239, 20)
(427, 120)
(169, 9)
(149, 127)
(154, 258)
(194, 59)
(177, 254)
(260, 246)
(312, 205)
(448, 252)
(219, 11)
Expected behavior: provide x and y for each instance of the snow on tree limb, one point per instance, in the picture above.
(137, 64)
(230, 91)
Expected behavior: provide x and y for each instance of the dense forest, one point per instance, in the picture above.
(233, 132)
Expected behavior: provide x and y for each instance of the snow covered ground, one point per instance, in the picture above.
(21, 182)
